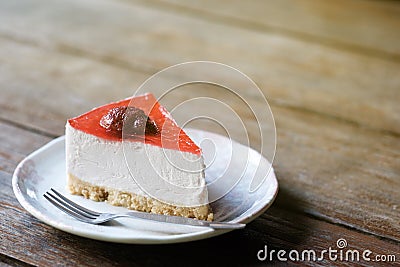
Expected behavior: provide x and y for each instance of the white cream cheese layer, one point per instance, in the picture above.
(171, 176)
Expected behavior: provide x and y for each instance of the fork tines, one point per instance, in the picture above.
(69, 207)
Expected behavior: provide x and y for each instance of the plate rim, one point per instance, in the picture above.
(169, 239)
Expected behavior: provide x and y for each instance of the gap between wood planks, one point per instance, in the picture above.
(28, 128)
(6, 260)
(150, 70)
(258, 27)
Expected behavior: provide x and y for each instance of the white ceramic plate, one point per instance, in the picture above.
(251, 196)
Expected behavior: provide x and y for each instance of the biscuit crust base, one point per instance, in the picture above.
(135, 202)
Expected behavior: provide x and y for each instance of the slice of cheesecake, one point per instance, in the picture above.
(131, 153)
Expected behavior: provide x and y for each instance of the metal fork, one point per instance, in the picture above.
(89, 216)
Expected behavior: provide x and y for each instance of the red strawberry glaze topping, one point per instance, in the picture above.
(169, 136)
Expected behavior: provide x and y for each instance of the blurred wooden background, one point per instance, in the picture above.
(329, 69)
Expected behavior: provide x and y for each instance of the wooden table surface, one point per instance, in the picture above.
(329, 69)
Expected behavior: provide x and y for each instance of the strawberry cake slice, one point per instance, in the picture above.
(131, 153)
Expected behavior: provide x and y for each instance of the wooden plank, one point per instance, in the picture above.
(28, 240)
(339, 171)
(293, 73)
(369, 27)
(70, 87)
(334, 168)
(15, 144)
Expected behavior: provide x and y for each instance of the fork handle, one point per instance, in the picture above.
(183, 220)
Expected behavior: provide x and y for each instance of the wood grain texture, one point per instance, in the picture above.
(332, 166)
(342, 169)
(15, 144)
(352, 87)
(329, 70)
(369, 27)
(285, 229)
